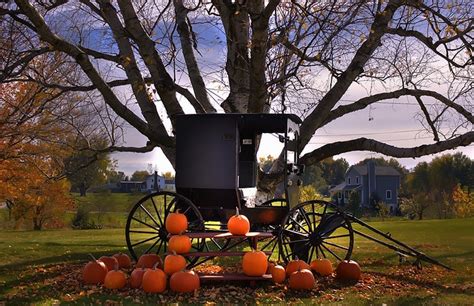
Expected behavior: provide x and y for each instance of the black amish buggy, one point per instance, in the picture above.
(216, 158)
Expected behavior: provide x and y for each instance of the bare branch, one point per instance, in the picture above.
(61, 45)
(354, 69)
(366, 101)
(428, 118)
(194, 72)
(364, 144)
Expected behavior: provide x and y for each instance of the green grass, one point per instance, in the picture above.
(22, 253)
(108, 202)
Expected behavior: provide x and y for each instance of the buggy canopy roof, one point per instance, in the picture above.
(252, 123)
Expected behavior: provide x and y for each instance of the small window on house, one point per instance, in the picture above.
(357, 180)
(339, 195)
(348, 180)
(346, 194)
(388, 194)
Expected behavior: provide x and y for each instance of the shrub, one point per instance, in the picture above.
(82, 220)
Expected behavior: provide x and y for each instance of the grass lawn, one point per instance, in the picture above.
(107, 202)
(44, 268)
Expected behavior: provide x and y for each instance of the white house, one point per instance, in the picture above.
(150, 182)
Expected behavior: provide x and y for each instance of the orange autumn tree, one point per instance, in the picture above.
(41, 128)
(37, 199)
(31, 149)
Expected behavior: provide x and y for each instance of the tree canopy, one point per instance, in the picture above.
(148, 61)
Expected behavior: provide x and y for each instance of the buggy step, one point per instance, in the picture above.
(218, 254)
(227, 235)
(232, 277)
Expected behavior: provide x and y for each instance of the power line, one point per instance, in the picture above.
(400, 139)
(369, 133)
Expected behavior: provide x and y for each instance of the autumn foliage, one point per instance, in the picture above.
(31, 149)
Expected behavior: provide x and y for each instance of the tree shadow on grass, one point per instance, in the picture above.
(66, 258)
(425, 283)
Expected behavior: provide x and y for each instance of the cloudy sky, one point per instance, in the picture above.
(392, 121)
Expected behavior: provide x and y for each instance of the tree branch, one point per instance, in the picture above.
(129, 63)
(364, 144)
(81, 58)
(428, 118)
(23, 62)
(427, 41)
(366, 101)
(197, 82)
(355, 68)
(163, 82)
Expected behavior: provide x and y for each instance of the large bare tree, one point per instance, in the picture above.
(267, 56)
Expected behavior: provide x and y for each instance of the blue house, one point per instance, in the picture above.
(372, 183)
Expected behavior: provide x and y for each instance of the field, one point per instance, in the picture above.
(44, 268)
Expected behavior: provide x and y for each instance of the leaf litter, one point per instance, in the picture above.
(63, 283)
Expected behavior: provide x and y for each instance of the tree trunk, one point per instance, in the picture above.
(237, 26)
(37, 225)
(82, 189)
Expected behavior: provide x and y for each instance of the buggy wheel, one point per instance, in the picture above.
(316, 229)
(272, 244)
(145, 231)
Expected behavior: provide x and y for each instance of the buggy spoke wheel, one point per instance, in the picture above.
(145, 231)
(316, 229)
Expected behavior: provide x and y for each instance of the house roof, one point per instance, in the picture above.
(343, 187)
(132, 182)
(153, 176)
(379, 170)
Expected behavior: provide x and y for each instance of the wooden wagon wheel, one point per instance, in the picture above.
(316, 229)
(273, 243)
(145, 231)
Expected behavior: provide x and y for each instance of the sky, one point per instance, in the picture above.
(392, 121)
(390, 124)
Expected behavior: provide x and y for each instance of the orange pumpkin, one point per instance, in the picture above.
(109, 261)
(254, 263)
(184, 281)
(94, 272)
(301, 280)
(295, 265)
(278, 274)
(174, 263)
(149, 260)
(123, 260)
(136, 277)
(270, 267)
(154, 280)
(180, 244)
(322, 266)
(176, 223)
(348, 270)
(115, 279)
(238, 224)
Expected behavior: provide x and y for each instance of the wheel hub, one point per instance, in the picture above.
(163, 234)
(315, 239)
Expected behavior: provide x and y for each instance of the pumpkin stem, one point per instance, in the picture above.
(92, 256)
(156, 265)
(116, 266)
(237, 211)
(173, 252)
